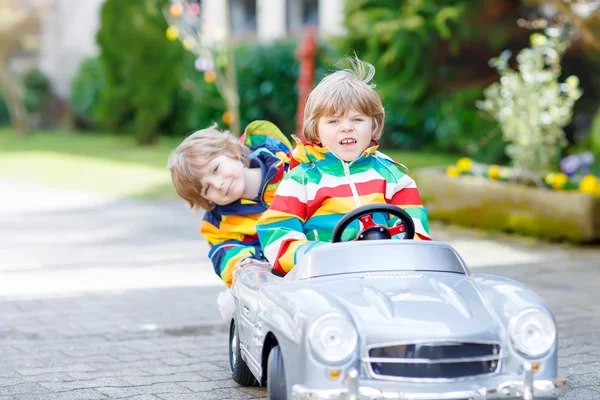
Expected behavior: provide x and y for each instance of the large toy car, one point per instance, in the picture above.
(390, 319)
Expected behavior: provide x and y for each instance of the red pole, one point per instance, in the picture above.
(306, 55)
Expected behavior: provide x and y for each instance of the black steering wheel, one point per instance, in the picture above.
(371, 230)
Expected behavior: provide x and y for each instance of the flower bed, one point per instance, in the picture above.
(575, 174)
(483, 197)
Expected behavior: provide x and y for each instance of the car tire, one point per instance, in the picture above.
(276, 386)
(239, 369)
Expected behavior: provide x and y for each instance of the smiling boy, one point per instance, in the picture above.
(234, 181)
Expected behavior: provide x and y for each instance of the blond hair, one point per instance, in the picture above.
(193, 154)
(347, 88)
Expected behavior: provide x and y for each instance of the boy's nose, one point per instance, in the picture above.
(346, 126)
(216, 182)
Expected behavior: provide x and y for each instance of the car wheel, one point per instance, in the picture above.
(239, 369)
(276, 386)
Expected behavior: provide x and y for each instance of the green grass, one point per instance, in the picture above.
(114, 165)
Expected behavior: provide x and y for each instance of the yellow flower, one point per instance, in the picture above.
(588, 184)
(494, 172)
(538, 39)
(210, 76)
(227, 117)
(572, 81)
(550, 178)
(189, 43)
(172, 33)
(559, 181)
(452, 171)
(464, 164)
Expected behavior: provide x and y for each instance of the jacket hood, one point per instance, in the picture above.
(405, 306)
(308, 153)
(265, 134)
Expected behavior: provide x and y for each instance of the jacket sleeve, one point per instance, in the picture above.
(227, 249)
(406, 196)
(280, 228)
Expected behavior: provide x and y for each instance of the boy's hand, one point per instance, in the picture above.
(244, 262)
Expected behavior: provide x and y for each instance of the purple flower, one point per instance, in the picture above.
(570, 164)
(587, 157)
(204, 64)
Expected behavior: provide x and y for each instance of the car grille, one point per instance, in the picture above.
(434, 360)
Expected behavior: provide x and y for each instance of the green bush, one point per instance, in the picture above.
(151, 86)
(431, 59)
(37, 94)
(37, 91)
(266, 77)
(142, 69)
(4, 116)
(86, 87)
(457, 126)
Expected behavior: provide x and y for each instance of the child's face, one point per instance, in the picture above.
(347, 135)
(223, 180)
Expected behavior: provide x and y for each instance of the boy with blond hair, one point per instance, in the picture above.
(234, 181)
(339, 170)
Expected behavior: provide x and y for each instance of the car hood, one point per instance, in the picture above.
(406, 306)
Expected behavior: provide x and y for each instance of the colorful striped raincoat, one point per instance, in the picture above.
(320, 189)
(231, 229)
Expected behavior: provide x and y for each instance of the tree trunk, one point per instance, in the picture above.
(232, 98)
(13, 95)
(14, 26)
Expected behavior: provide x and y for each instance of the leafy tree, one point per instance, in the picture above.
(141, 66)
(86, 88)
(431, 60)
(266, 82)
(14, 23)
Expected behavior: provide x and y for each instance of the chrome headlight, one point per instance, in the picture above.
(332, 338)
(533, 332)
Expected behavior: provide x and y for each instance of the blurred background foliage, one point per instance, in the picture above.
(431, 58)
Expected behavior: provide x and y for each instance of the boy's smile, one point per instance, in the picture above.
(348, 135)
(223, 180)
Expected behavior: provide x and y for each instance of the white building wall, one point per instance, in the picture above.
(214, 15)
(68, 34)
(69, 27)
(271, 19)
(331, 17)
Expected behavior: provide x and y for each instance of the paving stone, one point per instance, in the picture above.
(127, 307)
(64, 386)
(22, 388)
(79, 394)
(154, 389)
(180, 378)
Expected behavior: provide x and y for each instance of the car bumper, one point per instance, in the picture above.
(526, 388)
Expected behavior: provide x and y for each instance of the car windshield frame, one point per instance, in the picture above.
(386, 256)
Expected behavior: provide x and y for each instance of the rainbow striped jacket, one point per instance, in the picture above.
(231, 229)
(320, 189)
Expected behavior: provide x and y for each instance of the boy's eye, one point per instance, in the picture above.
(332, 121)
(215, 169)
(206, 190)
(357, 119)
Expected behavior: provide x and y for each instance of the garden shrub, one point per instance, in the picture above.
(4, 116)
(37, 94)
(431, 61)
(86, 87)
(142, 69)
(37, 90)
(266, 77)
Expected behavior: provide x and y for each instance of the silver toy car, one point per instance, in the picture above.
(390, 319)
